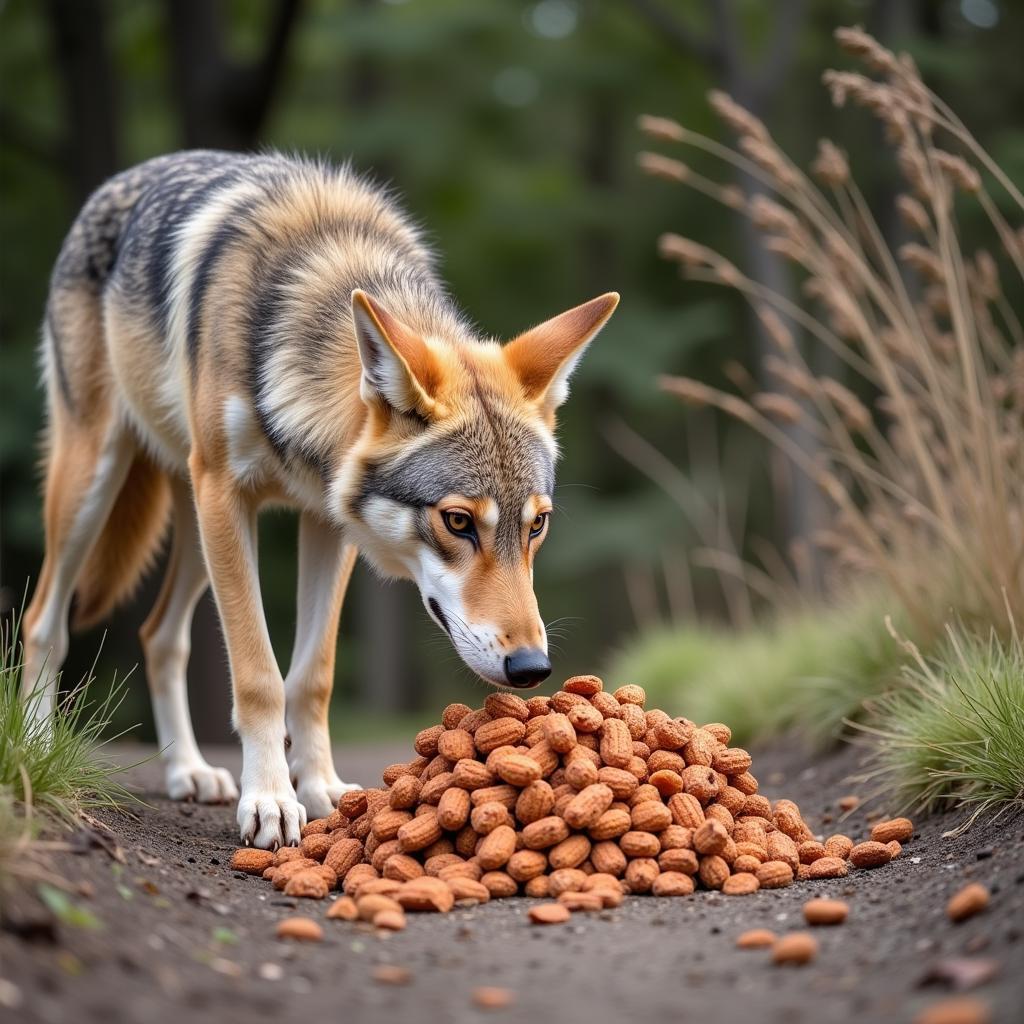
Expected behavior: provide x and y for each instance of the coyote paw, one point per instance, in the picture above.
(199, 781)
(269, 820)
(319, 794)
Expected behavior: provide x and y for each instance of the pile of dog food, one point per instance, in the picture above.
(579, 798)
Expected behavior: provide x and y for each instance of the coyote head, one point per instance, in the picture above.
(451, 482)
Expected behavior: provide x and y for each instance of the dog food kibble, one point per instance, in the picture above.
(344, 909)
(797, 948)
(581, 798)
(900, 829)
(250, 861)
(870, 855)
(301, 929)
(970, 900)
(826, 911)
(392, 974)
(958, 1010)
(489, 997)
(756, 938)
(390, 920)
(549, 913)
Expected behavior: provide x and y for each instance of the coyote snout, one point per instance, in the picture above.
(451, 484)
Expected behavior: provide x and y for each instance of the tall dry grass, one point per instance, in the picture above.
(919, 448)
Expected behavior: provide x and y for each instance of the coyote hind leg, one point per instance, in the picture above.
(166, 643)
(85, 471)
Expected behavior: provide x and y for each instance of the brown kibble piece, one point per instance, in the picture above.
(826, 912)
(585, 686)
(309, 884)
(743, 883)
(826, 867)
(756, 938)
(490, 997)
(774, 874)
(251, 861)
(389, 920)
(672, 883)
(586, 902)
(900, 829)
(838, 846)
(343, 909)
(797, 948)
(300, 929)
(870, 855)
(550, 913)
(968, 901)
(957, 1010)
(392, 974)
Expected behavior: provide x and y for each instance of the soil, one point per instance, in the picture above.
(181, 935)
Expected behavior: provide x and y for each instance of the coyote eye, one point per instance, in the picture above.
(538, 524)
(459, 523)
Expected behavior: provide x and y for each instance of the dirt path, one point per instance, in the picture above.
(183, 937)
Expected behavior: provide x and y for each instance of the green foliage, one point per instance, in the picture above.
(952, 734)
(69, 913)
(55, 766)
(809, 670)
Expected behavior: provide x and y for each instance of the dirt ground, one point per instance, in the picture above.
(182, 936)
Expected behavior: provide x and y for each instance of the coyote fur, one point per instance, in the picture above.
(225, 332)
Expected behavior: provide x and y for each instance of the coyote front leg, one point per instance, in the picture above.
(325, 567)
(268, 813)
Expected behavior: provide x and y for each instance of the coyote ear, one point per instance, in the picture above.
(545, 356)
(398, 368)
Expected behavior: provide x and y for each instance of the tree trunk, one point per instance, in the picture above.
(223, 104)
(78, 31)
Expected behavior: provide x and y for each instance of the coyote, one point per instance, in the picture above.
(225, 332)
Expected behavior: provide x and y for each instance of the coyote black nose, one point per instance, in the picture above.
(526, 667)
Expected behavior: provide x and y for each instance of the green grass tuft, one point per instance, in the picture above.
(809, 670)
(55, 767)
(952, 734)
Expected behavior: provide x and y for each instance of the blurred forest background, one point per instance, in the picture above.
(509, 128)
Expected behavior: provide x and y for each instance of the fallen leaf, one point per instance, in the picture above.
(226, 967)
(66, 911)
(960, 972)
(69, 963)
(103, 836)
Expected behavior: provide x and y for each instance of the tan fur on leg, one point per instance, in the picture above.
(86, 471)
(268, 813)
(325, 567)
(166, 641)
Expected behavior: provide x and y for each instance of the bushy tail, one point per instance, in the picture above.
(128, 545)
